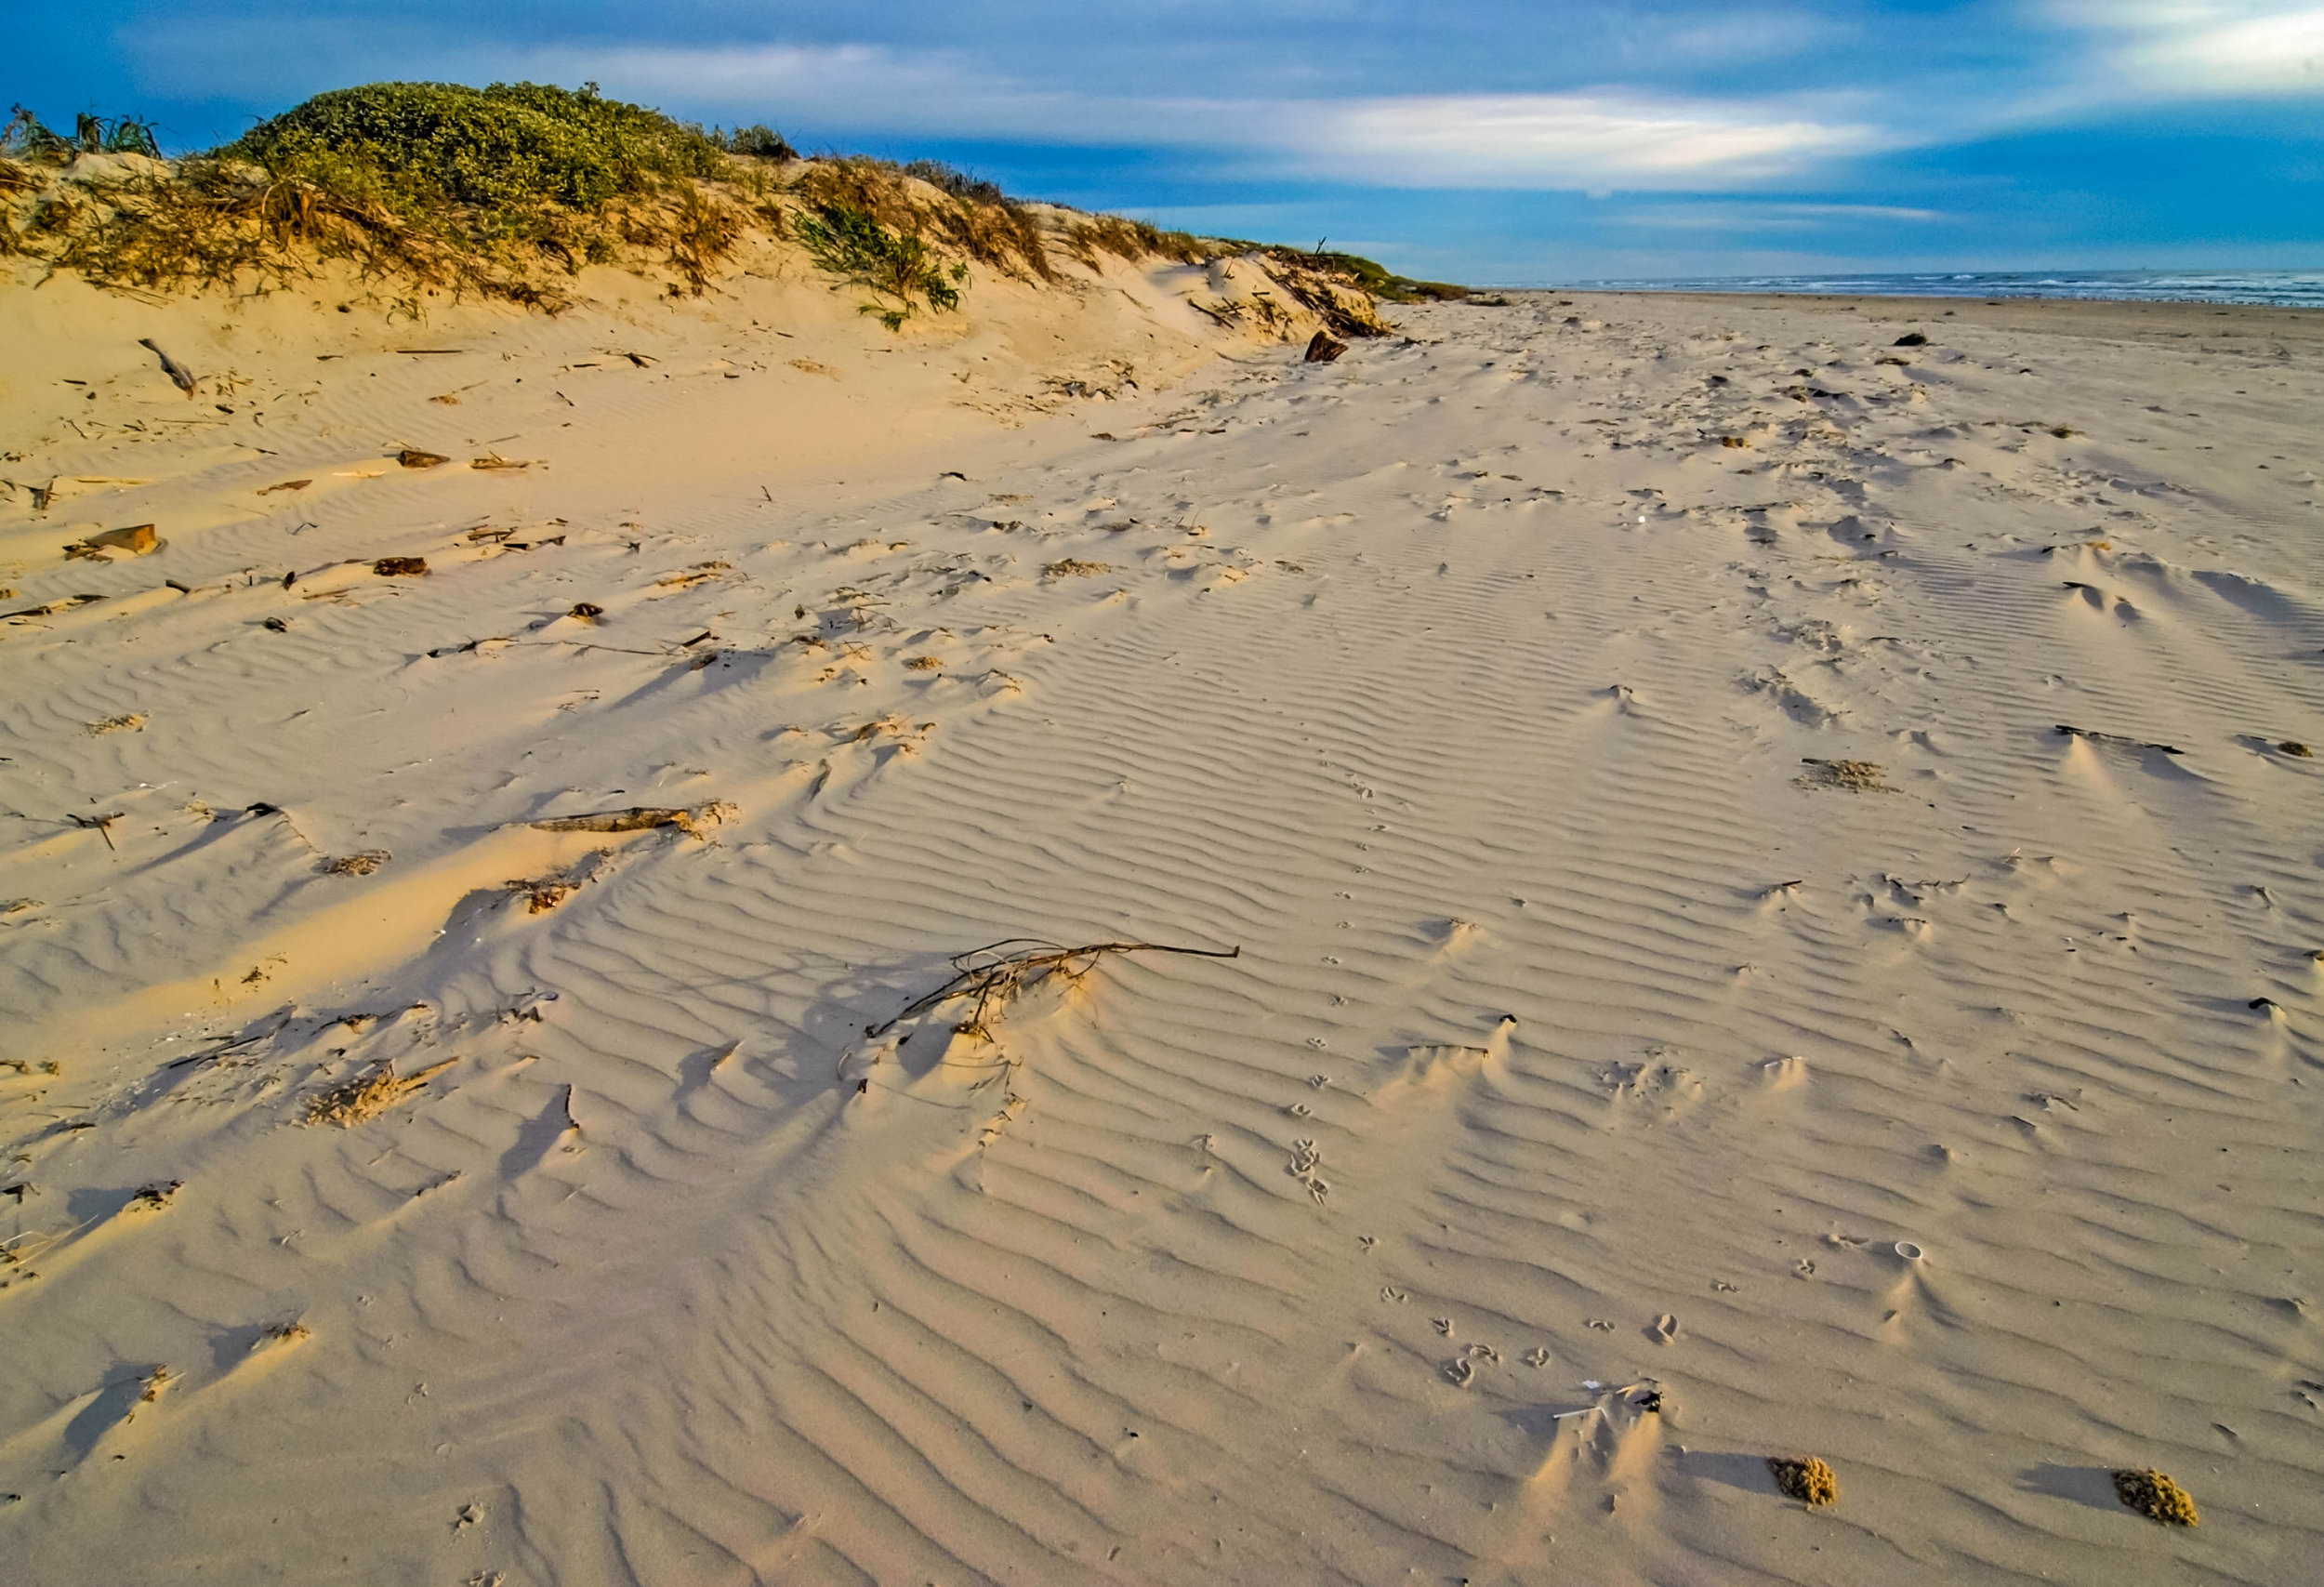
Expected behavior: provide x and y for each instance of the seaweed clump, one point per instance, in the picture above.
(1809, 1480)
(2156, 1496)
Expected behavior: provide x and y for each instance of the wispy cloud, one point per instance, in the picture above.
(2232, 48)
(1596, 139)
(1592, 140)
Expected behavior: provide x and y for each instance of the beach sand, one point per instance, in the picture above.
(1619, 735)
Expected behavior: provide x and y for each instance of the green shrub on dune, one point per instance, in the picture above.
(513, 146)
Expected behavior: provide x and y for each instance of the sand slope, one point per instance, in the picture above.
(1599, 1025)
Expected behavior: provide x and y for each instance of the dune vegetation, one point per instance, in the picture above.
(510, 192)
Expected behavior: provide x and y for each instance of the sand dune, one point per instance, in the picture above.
(1622, 735)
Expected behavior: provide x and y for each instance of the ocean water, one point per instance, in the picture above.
(2276, 288)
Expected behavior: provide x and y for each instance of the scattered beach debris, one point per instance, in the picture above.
(282, 1333)
(359, 863)
(543, 893)
(587, 611)
(156, 1383)
(412, 458)
(50, 608)
(491, 460)
(1073, 567)
(2156, 1496)
(401, 567)
(133, 722)
(1809, 1480)
(1910, 338)
(640, 818)
(923, 663)
(1325, 347)
(178, 374)
(369, 1094)
(158, 1194)
(285, 485)
(2116, 739)
(1911, 1251)
(2296, 749)
(1854, 776)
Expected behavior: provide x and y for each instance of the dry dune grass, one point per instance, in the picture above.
(369, 1094)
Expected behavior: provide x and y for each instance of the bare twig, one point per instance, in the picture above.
(998, 973)
(102, 824)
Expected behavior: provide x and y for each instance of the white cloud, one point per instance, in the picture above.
(1598, 140)
(1589, 141)
(2222, 47)
(1594, 140)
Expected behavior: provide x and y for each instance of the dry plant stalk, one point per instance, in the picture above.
(2156, 1496)
(368, 1096)
(996, 975)
(1809, 1480)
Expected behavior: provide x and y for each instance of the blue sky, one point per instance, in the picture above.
(1486, 141)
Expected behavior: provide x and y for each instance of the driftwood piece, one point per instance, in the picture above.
(412, 458)
(180, 376)
(1325, 347)
(640, 818)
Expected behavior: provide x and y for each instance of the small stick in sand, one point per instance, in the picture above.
(102, 824)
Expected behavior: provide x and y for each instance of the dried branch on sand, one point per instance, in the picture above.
(995, 974)
(640, 818)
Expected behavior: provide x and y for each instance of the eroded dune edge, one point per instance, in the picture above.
(1622, 736)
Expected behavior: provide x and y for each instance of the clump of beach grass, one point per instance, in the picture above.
(899, 269)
